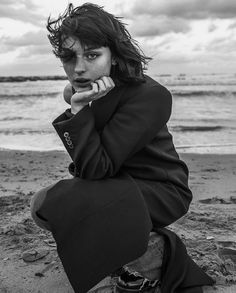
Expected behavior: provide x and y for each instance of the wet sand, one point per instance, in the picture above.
(208, 230)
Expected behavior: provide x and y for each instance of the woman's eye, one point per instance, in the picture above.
(65, 57)
(91, 56)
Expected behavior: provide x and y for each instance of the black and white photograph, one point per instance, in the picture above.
(118, 146)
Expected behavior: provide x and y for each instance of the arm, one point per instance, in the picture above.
(100, 155)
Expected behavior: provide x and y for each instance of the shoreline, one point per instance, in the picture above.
(204, 181)
(181, 149)
(208, 229)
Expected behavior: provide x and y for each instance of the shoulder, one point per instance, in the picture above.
(149, 92)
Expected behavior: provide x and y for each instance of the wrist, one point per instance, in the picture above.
(76, 108)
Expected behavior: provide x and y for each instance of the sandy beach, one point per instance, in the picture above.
(28, 258)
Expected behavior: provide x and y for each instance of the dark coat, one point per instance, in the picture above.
(128, 180)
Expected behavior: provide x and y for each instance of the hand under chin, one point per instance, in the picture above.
(68, 93)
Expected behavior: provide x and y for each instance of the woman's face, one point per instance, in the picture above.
(84, 65)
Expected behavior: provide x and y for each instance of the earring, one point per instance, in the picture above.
(113, 62)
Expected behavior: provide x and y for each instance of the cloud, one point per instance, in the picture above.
(222, 45)
(34, 51)
(232, 25)
(155, 18)
(29, 45)
(153, 26)
(22, 10)
(36, 38)
(212, 27)
(188, 9)
(30, 66)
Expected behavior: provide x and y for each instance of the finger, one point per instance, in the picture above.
(92, 91)
(108, 82)
(86, 96)
(112, 81)
(95, 88)
(101, 85)
(93, 94)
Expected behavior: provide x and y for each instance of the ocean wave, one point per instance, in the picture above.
(31, 78)
(198, 83)
(197, 93)
(28, 95)
(175, 93)
(200, 149)
(226, 148)
(23, 131)
(183, 128)
(15, 118)
(29, 148)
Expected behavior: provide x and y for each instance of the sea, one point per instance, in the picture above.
(203, 116)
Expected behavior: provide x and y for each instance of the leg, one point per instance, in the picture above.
(98, 226)
(149, 264)
(36, 202)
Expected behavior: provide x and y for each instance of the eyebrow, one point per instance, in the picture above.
(86, 49)
(92, 48)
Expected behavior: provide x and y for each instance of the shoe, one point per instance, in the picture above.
(132, 282)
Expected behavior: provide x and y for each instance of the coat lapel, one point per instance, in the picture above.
(104, 108)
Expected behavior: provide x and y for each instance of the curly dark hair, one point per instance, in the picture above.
(95, 27)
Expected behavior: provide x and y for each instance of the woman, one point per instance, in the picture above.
(128, 179)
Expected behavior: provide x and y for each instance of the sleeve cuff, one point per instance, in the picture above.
(68, 113)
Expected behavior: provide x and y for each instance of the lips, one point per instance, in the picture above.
(82, 82)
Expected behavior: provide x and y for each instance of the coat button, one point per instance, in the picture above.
(66, 134)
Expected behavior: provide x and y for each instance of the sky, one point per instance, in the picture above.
(182, 36)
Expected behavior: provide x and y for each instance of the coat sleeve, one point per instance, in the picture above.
(98, 155)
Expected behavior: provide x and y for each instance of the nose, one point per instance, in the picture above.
(80, 66)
